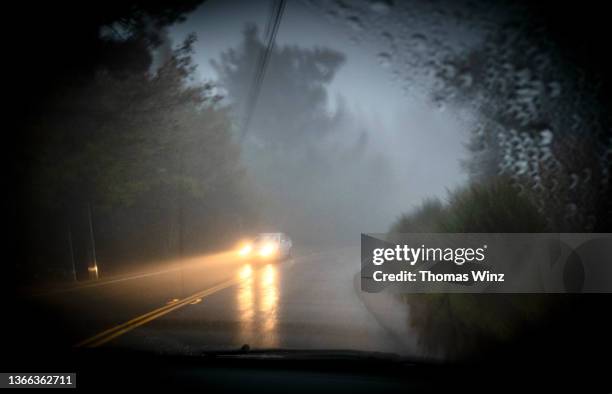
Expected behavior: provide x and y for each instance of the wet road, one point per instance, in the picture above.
(223, 302)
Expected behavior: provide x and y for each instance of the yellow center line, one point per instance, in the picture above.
(114, 332)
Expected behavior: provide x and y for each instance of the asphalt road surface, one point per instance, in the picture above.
(215, 302)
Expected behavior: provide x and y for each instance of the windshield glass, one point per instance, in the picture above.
(165, 146)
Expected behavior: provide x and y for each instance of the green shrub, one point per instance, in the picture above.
(424, 219)
(493, 207)
(466, 325)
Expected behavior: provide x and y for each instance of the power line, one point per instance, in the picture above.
(276, 15)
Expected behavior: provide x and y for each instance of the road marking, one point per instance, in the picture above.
(103, 282)
(112, 333)
(115, 280)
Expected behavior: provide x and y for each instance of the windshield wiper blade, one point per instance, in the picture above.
(306, 354)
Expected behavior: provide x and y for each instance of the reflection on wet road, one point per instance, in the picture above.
(257, 297)
(308, 302)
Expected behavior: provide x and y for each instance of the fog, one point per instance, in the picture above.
(367, 149)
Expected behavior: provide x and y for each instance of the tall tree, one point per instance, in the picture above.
(292, 106)
(151, 151)
(305, 157)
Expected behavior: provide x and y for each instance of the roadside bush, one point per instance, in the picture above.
(493, 207)
(423, 219)
(460, 326)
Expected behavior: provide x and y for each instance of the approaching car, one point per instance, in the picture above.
(268, 246)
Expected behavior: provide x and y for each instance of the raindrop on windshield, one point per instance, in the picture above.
(381, 7)
(384, 59)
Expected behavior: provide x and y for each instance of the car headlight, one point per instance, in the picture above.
(245, 250)
(267, 250)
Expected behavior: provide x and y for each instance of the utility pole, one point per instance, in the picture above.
(74, 276)
(181, 218)
(93, 269)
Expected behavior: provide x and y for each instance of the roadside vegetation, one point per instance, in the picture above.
(474, 326)
(460, 325)
(129, 158)
(539, 161)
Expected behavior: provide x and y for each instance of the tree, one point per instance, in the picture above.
(541, 120)
(57, 55)
(151, 151)
(305, 157)
(292, 106)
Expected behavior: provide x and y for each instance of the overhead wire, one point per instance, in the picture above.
(276, 14)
